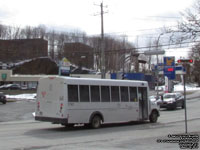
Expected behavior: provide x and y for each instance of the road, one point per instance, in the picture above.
(27, 134)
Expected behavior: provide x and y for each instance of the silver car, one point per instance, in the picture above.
(172, 101)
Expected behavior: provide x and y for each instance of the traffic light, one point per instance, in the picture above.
(189, 61)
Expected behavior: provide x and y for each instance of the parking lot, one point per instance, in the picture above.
(16, 110)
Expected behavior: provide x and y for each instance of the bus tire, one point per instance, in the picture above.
(96, 122)
(153, 117)
(68, 125)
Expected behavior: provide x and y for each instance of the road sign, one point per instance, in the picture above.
(65, 62)
(64, 67)
(169, 61)
(3, 76)
(169, 71)
(169, 67)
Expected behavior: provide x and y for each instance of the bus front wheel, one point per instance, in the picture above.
(153, 117)
(96, 122)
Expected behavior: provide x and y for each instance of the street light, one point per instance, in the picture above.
(157, 65)
(136, 54)
(154, 52)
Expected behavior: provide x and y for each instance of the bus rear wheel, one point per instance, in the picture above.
(96, 122)
(68, 125)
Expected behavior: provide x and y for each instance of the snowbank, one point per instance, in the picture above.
(180, 87)
(22, 96)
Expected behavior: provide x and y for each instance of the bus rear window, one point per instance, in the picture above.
(72, 93)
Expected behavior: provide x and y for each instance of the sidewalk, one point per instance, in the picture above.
(192, 94)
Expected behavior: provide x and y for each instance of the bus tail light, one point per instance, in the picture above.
(61, 107)
(38, 105)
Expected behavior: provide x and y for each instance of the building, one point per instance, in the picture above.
(21, 49)
(31, 81)
(79, 54)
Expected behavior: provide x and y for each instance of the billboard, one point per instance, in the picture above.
(169, 61)
(169, 67)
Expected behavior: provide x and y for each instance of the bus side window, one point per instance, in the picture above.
(133, 94)
(105, 94)
(72, 93)
(124, 94)
(115, 93)
(84, 93)
(95, 93)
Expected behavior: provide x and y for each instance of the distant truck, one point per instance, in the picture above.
(68, 101)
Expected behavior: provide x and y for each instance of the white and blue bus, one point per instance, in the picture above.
(69, 101)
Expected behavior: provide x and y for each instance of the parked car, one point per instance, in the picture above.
(3, 98)
(10, 87)
(172, 101)
(24, 87)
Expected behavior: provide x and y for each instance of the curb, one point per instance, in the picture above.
(11, 100)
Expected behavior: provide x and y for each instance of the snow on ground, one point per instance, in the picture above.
(190, 87)
(180, 87)
(22, 96)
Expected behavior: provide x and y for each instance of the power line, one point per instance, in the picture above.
(156, 46)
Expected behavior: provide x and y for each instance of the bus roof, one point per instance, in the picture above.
(94, 81)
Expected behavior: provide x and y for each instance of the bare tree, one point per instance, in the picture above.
(190, 26)
(16, 34)
(196, 67)
(42, 31)
(3, 31)
(189, 30)
(51, 39)
(27, 32)
(61, 42)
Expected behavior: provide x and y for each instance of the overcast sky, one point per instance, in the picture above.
(130, 17)
(124, 16)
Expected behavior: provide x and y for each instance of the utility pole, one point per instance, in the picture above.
(157, 70)
(103, 68)
(186, 127)
(184, 62)
(123, 71)
(102, 44)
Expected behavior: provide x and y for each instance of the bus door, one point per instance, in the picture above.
(143, 103)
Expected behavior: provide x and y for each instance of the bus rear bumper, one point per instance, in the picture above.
(53, 120)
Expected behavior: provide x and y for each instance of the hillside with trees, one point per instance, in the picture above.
(114, 46)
